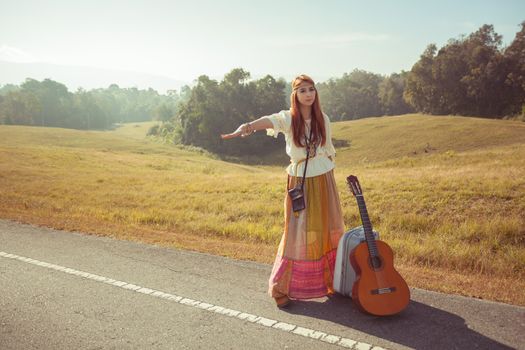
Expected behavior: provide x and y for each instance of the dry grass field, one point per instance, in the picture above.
(446, 193)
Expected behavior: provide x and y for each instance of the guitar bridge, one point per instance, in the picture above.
(380, 291)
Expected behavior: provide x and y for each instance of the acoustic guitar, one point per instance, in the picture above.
(379, 289)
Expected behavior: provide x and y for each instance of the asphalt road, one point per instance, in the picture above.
(63, 290)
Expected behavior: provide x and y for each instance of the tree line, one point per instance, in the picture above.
(473, 75)
(50, 103)
(470, 76)
(212, 107)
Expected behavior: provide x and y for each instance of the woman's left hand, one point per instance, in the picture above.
(243, 131)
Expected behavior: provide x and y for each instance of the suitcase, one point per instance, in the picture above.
(344, 274)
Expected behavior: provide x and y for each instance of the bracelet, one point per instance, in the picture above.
(249, 129)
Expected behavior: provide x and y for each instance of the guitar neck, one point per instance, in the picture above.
(367, 226)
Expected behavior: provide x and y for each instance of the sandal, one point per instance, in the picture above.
(282, 302)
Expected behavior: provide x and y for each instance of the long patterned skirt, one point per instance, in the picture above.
(304, 265)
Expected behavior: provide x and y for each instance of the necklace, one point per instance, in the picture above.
(311, 147)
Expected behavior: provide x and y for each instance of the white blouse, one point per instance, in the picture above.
(318, 165)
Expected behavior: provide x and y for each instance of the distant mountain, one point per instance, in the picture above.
(86, 77)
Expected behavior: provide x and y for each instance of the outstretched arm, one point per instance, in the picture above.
(247, 129)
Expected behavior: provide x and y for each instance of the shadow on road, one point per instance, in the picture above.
(419, 326)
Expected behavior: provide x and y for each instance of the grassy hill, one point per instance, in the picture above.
(386, 138)
(447, 193)
(135, 130)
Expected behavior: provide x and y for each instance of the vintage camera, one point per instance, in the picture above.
(297, 196)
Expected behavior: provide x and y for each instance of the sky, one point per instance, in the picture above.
(185, 39)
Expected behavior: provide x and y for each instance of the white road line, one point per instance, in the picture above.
(275, 324)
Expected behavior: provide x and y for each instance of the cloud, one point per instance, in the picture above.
(468, 25)
(13, 54)
(348, 39)
(330, 41)
(352, 37)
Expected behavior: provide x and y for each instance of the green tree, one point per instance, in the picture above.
(468, 76)
(164, 112)
(420, 90)
(54, 100)
(514, 61)
(87, 114)
(219, 107)
(484, 80)
(391, 95)
(8, 88)
(19, 107)
(353, 96)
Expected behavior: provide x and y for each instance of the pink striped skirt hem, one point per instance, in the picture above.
(306, 279)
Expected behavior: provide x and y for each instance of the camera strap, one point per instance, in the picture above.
(307, 144)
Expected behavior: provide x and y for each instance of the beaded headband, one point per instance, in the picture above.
(295, 88)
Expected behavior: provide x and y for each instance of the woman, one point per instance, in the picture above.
(305, 259)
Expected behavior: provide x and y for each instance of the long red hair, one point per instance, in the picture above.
(317, 123)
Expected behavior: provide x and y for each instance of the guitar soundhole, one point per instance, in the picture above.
(376, 263)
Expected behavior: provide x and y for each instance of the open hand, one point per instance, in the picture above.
(242, 131)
